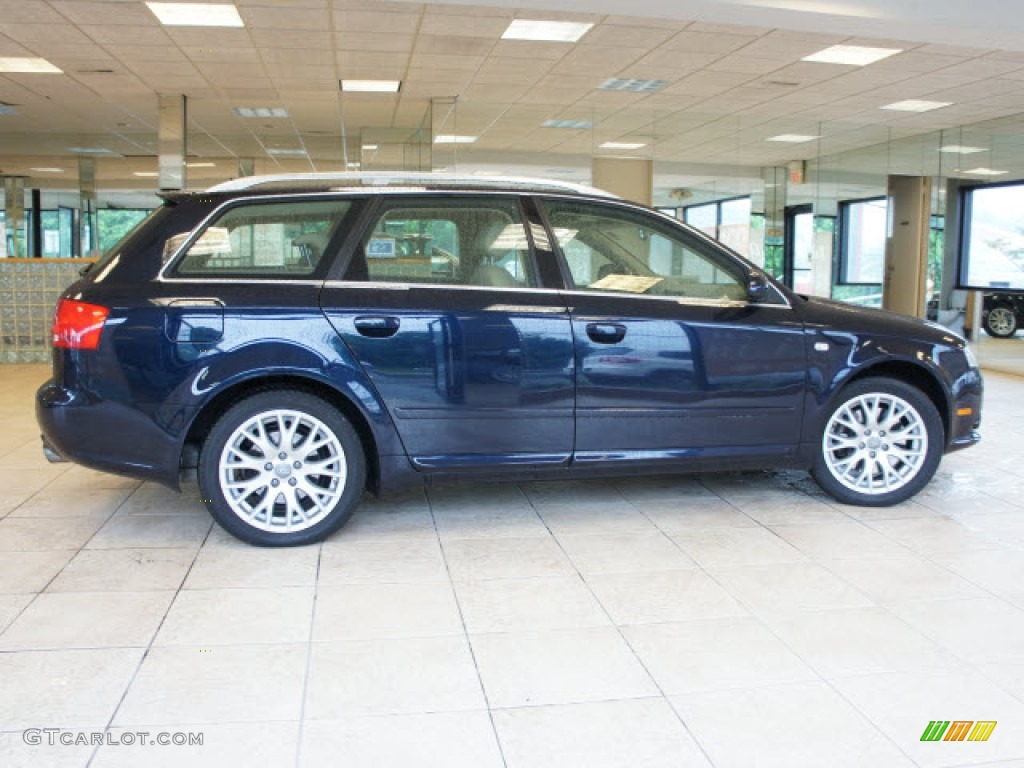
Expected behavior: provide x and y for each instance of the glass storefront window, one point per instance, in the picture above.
(862, 249)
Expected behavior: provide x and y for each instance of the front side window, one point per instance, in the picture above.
(610, 249)
(279, 240)
(480, 241)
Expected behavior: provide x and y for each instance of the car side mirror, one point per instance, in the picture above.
(757, 286)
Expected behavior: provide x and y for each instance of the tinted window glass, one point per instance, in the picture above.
(448, 242)
(609, 249)
(278, 240)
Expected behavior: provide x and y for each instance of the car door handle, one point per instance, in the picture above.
(606, 333)
(377, 326)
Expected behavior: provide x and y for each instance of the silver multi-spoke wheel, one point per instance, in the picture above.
(875, 443)
(282, 471)
(1001, 321)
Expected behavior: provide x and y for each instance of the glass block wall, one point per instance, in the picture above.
(28, 292)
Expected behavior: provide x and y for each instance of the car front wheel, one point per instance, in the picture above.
(881, 443)
(282, 468)
(1000, 322)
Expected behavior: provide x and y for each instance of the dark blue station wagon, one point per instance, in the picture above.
(301, 339)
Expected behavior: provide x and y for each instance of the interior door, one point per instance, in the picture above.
(443, 308)
(672, 360)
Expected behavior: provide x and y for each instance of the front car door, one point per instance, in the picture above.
(672, 360)
(443, 305)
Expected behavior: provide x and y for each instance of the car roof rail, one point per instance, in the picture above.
(379, 180)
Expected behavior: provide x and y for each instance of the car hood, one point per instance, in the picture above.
(837, 316)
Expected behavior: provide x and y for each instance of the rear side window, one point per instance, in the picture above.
(473, 241)
(277, 239)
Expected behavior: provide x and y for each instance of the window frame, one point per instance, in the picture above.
(379, 205)
(332, 252)
(965, 205)
(842, 245)
(670, 227)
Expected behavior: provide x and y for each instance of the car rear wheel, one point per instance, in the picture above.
(881, 443)
(282, 468)
(1000, 322)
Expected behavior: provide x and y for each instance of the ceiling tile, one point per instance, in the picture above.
(108, 14)
(133, 35)
(367, 41)
(463, 26)
(374, 21)
(277, 18)
(51, 35)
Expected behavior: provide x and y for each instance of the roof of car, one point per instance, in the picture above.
(326, 182)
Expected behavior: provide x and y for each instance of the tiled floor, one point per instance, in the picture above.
(726, 620)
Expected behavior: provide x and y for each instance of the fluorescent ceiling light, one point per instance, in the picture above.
(546, 31)
(916, 105)
(793, 138)
(574, 124)
(6, 110)
(147, 174)
(47, 170)
(197, 14)
(201, 165)
(621, 145)
(371, 86)
(90, 150)
(275, 112)
(371, 147)
(286, 151)
(985, 172)
(633, 85)
(452, 139)
(28, 65)
(855, 55)
(352, 165)
(961, 150)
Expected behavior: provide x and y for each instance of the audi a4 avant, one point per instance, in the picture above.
(299, 340)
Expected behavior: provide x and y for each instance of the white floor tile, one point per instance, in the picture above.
(979, 630)
(642, 733)
(471, 559)
(370, 611)
(41, 534)
(25, 572)
(236, 564)
(828, 541)
(368, 562)
(72, 503)
(253, 744)
(659, 596)
(627, 552)
(736, 546)
(145, 531)
(900, 579)
(124, 570)
(788, 588)
(518, 605)
(559, 667)
(216, 617)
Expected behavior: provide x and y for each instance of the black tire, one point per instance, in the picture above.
(266, 524)
(1003, 325)
(872, 443)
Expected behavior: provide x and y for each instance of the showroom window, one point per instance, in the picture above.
(279, 240)
(863, 225)
(727, 221)
(610, 249)
(481, 241)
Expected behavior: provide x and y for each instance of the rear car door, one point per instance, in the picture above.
(442, 304)
(672, 359)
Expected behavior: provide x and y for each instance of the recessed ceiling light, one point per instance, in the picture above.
(371, 86)
(546, 31)
(621, 145)
(28, 65)
(201, 165)
(371, 147)
(575, 124)
(793, 138)
(632, 85)
(90, 150)
(276, 112)
(47, 170)
(958, 149)
(985, 172)
(286, 152)
(147, 174)
(916, 105)
(453, 139)
(197, 14)
(855, 55)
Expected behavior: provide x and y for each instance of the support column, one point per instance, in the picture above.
(172, 140)
(88, 220)
(36, 225)
(906, 246)
(246, 167)
(625, 177)
(14, 215)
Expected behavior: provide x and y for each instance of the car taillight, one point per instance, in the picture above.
(77, 325)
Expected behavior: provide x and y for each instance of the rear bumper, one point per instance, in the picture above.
(104, 435)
